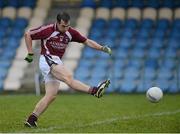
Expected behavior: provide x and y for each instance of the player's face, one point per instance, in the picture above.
(63, 26)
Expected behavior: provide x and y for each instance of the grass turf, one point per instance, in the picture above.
(84, 113)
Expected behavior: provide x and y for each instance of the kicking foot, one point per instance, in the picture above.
(101, 88)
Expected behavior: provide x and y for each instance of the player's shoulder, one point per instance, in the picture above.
(49, 26)
(72, 30)
(45, 27)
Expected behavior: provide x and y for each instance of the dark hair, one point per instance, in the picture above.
(63, 16)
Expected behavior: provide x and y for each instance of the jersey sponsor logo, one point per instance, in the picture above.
(57, 45)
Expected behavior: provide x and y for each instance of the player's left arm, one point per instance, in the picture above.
(95, 45)
(77, 37)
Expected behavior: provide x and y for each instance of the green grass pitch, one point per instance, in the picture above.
(79, 113)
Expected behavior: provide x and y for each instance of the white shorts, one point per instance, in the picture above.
(44, 65)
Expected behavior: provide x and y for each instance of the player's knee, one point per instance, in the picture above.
(50, 98)
(68, 79)
(53, 97)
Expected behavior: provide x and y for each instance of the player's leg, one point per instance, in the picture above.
(61, 73)
(51, 88)
(51, 92)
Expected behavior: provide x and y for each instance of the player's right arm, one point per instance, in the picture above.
(28, 41)
(36, 34)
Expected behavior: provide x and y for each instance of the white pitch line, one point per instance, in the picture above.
(107, 121)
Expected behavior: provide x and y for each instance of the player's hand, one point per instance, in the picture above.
(107, 49)
(29, 57)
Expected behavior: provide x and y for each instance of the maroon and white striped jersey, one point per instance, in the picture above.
(54, 42)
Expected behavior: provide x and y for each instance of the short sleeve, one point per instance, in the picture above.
(77, 37)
